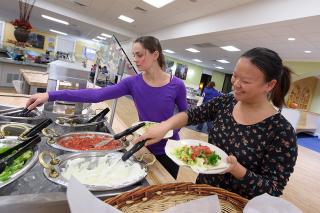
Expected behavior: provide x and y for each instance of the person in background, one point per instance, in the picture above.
(155, 93)
(93, 72)
(104, 70)
(209, 93)
(260, 142)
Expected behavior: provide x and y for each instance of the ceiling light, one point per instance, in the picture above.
(58, 32)
(126, 19)
(220, 68)
(102, 38)
(168, 51)
(291, 39)
(106, 35)
(193, 50)
(307, 51)
(223, 61)
(95, 40)
(55, 19)
(230, 48)
(158, 3)
(196, 60)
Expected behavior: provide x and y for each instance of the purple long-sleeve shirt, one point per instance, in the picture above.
(153, 103)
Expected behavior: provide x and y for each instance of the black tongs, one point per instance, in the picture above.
(134, 149)
(37, 128)
(121, 134)
(98, 117)
(11, 154)
(28, 137)
(24, 112)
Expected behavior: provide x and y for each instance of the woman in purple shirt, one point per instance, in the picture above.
(155, 93)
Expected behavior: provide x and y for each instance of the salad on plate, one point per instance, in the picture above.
(200, 156)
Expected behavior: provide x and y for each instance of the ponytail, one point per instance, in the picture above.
(281, 88)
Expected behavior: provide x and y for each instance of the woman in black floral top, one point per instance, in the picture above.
(260, 142)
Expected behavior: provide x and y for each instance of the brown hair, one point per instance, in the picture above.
(152, 44)
(211, 84)
(270, 64)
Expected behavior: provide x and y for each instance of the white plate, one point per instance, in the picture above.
(222, 166)
(143, 129)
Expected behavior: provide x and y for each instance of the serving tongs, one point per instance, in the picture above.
(21, 112)
(121, 134)
(36, 129)
(24, 113)
(128, 153)
(98, 117)
(11, 110)
(7, 157)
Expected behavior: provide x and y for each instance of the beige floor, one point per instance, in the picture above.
(303, 188)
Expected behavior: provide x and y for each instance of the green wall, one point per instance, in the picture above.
(218, 78)
(303, 69)
(195, 72)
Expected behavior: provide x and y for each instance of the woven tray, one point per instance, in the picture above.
(158, 198)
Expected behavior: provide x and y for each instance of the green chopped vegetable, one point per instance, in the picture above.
(199, 155)
(17, 164)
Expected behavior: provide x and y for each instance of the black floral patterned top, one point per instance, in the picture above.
(267, 149)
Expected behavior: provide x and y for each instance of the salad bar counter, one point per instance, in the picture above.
(25, 181)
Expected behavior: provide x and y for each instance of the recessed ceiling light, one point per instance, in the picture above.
(168, 51)
(307, 51)
(230, 48)
(126, 18)
(58, 32)
(223, 61)
(106, 35)
(193, 50)
(220, 68)
(291, 39)
(55, 19)
(158, 3)
(95, 40)
(102, 38)
(196, 60)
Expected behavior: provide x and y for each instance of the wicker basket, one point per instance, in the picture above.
(158, 198)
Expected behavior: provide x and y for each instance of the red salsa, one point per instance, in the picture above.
(87, 142)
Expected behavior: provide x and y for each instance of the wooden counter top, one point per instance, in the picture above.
(35, 78)
(40, 79)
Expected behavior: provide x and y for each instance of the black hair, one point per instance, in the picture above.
(270, 64)
(152, 44)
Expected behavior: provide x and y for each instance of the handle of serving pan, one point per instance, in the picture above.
(9, 160)
(133, 150)
(50, 166)
(128, 131)
(144, 159)
(36, 129)
(14, 125)
(50, 133)
(98, 117)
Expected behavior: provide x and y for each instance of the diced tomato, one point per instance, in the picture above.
(200, 150)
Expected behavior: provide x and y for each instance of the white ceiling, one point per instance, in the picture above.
(99, 16)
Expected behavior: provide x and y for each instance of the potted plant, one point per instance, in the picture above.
(22, 24)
